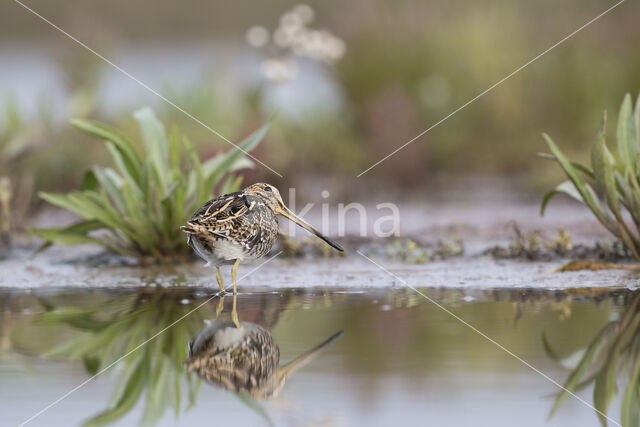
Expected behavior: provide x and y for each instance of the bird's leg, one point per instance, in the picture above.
(220, 306)
(234, 312)
(219, 279)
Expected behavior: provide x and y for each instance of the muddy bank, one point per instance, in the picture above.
(61, 267)
(465, 244)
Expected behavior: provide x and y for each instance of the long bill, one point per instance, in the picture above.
(287, 213)
(306, 357)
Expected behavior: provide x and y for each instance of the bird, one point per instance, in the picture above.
(244, 359)
(241, 226)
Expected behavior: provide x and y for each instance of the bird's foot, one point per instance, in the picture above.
(234, 317)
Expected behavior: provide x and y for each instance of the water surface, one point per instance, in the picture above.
(401, 358)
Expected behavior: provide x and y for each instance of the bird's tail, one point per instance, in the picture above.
(190, 228)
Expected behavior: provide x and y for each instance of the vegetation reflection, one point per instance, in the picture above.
(152, 337)
(614, 350)
(117, 333)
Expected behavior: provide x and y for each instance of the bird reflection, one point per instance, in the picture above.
(244, 359)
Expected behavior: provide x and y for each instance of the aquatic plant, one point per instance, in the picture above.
(140, 206)
(534, 245)
(615, 349)
(612, 184)
(412, 252)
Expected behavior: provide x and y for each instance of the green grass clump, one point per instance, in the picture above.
(612, 184)
(139, 206)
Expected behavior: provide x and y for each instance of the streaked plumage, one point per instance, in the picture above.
(234, 226)
(243, 359)
(240, 226)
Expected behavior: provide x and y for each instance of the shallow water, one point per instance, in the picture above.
(402, 359)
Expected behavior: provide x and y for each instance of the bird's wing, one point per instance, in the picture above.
(220, 207)
(235, 216)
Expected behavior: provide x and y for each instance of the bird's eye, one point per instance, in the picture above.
(267, 188)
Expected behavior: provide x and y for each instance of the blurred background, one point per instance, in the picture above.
(346, 83)
(343, 84)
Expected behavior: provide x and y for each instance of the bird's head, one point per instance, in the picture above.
(267, 193)
(271, 197)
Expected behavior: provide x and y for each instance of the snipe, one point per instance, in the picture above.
(240, 226)
(244, 359)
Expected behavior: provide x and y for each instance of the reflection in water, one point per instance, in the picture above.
(244, 359)
(399, 351)
(113, 333)
(615, 349)
(145, 334)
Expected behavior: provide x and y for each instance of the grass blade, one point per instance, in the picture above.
(603, 170)
(576, 374)
(626, 133)
(74, 234)
(216, 167)
(580, 185)
(629, 404)
(130, 156)
(565, 187)
(588, 172)
(131, 393)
